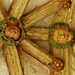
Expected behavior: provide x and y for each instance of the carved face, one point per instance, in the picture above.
(61, 35)
(12, 32)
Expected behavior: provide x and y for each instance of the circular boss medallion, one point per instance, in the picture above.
(11, 31)
(60, 35)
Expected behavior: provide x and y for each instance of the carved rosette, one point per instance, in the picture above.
(65, 4)
(57, 64)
